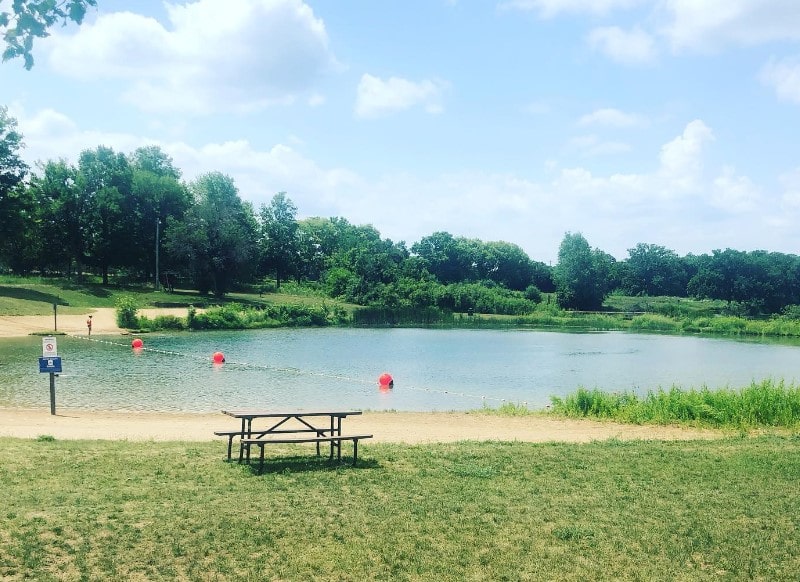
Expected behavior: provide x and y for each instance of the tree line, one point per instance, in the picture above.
(116, 215)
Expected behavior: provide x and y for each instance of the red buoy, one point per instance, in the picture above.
(218, 358)
(137, 343)
(385, 380)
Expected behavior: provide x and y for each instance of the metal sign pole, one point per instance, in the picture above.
(50, 362)
(52, 393)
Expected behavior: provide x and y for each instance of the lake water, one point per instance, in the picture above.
(432, 369)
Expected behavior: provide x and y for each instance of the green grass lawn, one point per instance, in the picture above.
(36, 296)
(100, 510)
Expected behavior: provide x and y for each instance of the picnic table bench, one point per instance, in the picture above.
(289, 427)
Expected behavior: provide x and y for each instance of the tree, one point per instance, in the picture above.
(215, 241)
(31, 19)
(62, 215)
(13, 170)
(106, 179)
(361, 263)
(279, 240)
(759, 281)
(579, 275)
(154, 160)
(449, 259)
(542, 277)
(507, 264)
(160, 195)
(654, 270)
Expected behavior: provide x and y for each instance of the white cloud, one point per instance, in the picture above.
(551, 8)
(735, 193)
(259, 175)
(711, 24)
(614, 211)
(610, 117)
(591, 145)
(783, 76)
(790, 182)
(681, 159)
(215, 55)
(634, 47)
(51, 135)
(377, 97)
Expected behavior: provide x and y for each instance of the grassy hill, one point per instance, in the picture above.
(36, 296)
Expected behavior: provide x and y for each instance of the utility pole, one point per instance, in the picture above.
(158, 224)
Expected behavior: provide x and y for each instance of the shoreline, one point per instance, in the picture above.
(388, 427)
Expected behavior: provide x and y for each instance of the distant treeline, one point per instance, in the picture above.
(124, 217)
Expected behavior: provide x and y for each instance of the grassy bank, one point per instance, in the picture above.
(465, 511)
(302, 307)
(763, 404)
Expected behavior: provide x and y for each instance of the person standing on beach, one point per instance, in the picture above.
(89, 324)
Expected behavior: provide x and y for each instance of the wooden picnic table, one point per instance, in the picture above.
(324, 425)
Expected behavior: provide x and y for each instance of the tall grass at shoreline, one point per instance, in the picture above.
(768, 403)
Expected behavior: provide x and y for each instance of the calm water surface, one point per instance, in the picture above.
(433, 369)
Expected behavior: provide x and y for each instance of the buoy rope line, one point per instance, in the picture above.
(296, 371)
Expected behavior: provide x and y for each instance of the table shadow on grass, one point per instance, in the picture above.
(302, 464)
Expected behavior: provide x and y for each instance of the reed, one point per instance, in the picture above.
(768, 403)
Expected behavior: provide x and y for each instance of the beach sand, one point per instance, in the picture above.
(104, 321)
(397, 427)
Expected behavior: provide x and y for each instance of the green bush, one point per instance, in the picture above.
(652, 322)
(127, 312)
(237, 316)
(162, 322)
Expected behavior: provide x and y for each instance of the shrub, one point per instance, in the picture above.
(127, 312)
(162, 322)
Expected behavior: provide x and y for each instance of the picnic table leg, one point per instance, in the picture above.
(333, 433)
(249, 434)
(241, 443)
(261, 459)
(355, 451)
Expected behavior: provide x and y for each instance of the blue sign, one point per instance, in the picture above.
(50, 364)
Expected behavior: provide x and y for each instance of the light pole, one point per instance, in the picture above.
(158, 224)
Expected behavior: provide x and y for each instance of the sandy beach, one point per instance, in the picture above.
(400, 427)
(104, 321)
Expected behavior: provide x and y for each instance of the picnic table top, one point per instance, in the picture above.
(256, 413)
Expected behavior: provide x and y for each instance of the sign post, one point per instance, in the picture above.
(50, 363)
(52, 394)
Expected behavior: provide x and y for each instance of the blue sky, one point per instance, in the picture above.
(669, 122)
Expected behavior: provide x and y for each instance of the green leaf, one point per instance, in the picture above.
(77, 11)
